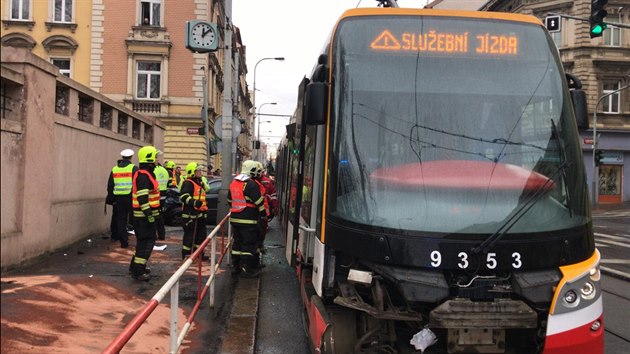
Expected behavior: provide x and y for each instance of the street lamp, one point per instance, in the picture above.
(255, 67)
(258, 130)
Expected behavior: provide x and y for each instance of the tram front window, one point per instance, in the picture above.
(452, 143)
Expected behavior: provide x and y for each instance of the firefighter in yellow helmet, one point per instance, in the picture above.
(162, 177)
(247, 210)
(193, 197)
(145, 200)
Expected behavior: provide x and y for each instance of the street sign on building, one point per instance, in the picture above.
(552, 23)
(192, 131)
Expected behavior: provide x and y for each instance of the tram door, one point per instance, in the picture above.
(295, 160)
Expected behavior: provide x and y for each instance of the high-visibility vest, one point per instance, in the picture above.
(239, 201)
(122, 179)
(206, 186)
(198, 194)
(153, 193)
(161, 176)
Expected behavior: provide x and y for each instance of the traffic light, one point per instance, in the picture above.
(598, 157)
(598, 13)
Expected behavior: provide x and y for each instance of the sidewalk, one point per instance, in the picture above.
(79, 299)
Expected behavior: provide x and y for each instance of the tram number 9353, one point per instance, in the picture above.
(463, 261)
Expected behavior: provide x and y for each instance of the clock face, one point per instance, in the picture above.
(202, 34)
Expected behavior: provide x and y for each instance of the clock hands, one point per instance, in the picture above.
(206, 32)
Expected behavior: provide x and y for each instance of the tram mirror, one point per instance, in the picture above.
(573, 81)
(320, 74)
(316, 102)
(290, 131)
(578, 97)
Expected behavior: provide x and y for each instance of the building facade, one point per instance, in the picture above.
(134, 52)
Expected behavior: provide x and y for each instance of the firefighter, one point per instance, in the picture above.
(271, 194)
(146, 209)
(263, 225)
(162, 177)
(247, 211)
(119, 196)
(170, 167)
(193, 197)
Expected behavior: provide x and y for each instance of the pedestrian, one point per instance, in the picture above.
(194, 211)
(217, 172)
(119, 196)
(162, 177)
(146, 209)
(247, 210)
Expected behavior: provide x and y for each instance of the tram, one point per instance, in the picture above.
(433, 192)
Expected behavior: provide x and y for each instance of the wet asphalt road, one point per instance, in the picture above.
(280, 311)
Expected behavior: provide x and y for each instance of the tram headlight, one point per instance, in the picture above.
(570, 298)
(588, 290)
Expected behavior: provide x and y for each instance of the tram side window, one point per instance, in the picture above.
(309, 164)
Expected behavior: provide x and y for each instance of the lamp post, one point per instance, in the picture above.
(255, 67)
(258, 130)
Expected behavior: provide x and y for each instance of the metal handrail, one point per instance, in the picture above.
(172, 286)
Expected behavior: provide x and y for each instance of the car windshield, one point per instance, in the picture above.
(452, 140)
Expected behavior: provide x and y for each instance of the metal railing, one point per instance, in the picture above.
(172, 286)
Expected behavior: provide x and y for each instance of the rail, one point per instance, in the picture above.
(172, 286)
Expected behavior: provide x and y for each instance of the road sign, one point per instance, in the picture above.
(236, 127)
(192, 131)
(552, 23)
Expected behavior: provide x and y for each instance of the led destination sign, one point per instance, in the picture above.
(440, 42)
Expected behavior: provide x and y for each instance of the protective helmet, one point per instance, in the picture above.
(170, 164)
(191, 168)
(259, 170)
(147, 154)
(249, 167)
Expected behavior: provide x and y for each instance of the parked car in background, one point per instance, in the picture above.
(173, 207)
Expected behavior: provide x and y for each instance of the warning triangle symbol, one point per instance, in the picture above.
(385, 41)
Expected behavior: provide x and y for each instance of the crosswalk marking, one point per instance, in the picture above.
(616, 272)
(613, 237)
(615, 261)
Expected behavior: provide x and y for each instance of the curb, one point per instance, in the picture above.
(240, 335)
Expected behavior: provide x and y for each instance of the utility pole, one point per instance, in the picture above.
(226, 128)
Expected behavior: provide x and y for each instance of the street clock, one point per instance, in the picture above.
(202, 36)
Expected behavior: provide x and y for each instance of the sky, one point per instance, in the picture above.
(295, 30)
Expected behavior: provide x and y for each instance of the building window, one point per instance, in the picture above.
(86, 109)
(148, 80)
(63, 11)
(123, 120)
(150, 12)
(106, 116)
(63, 64)
(20, 9)
(611, 103)
(612, 35)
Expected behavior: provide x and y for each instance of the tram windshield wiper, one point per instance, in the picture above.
(563, 159)
(517, 214)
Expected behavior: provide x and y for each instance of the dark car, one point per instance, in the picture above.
(173, 207)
